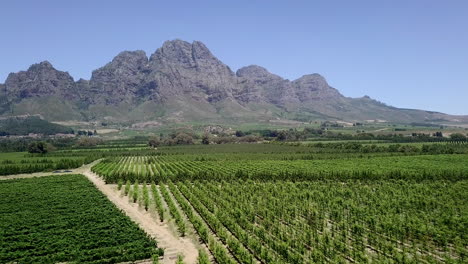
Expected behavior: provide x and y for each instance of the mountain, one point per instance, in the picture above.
(185, 82)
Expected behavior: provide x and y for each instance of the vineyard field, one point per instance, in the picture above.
(336, 202)
(161, 168)
(352, 221)
(66, 219)
(271, 205)
(21, 162)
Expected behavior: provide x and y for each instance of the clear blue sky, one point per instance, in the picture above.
(406, 53)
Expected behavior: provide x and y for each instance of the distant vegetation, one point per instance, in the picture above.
(295, 135)
(22, 144)
(40, 147)
(31, 124)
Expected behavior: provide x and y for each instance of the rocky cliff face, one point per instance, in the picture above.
(260, 85)
(133, 87)
(179, 68)
(121, 80)
(4, 104)
(40, 80)
(314, 87)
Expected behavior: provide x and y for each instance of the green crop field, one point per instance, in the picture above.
(273, 203)
(334, 221)
(65, 219)
(161, 168)
(22, 162)
(320, 202)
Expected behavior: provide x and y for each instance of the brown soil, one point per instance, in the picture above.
(172, 244)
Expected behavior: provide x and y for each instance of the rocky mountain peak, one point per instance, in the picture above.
(174, 51)
(41, 65)
(313, 79)
(125, 61)
(133, 58)
(183, 54)
(120, 79)
(255, 72)
(180, 68)
(315, 87)
(41, 79)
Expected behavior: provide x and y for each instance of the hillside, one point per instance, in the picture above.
(30, 124)
(185, 82)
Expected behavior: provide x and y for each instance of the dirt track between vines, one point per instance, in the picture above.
(80, 170)
(161, 232)
(172, 244)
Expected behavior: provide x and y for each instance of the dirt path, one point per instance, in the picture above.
(79, 170)
(172, 244)
(161, 232)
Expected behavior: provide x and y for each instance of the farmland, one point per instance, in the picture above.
(65, 158)
(323, 202)
(156, 169)
(275, 204)
(310, 221)
(64, 218)
(21, 162)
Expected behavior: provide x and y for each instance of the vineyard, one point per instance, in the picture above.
(337, 202)
(391, 221)
(68, 158)
(270, 205)
(162, 168)
(66, 219)
(17, 162)
(22, 162)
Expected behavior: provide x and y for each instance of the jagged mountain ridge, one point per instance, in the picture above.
(182, 82)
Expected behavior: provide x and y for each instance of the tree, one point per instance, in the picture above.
(39, 147)
(282, 136)
(205, 139)
(154, 142)
(250, 139)
(239, 133)
(88, 142)
(183, 139)
(457, 137)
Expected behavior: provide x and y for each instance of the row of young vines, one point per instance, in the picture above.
(159, 169)
(322, 221)
(394, 209)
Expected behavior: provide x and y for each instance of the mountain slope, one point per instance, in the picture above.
(185, 82)
(24, 125)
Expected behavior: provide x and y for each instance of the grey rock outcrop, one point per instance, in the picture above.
(41, 79)
(260, 85)
(314, 87)
(180, 68)
(121, 80)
